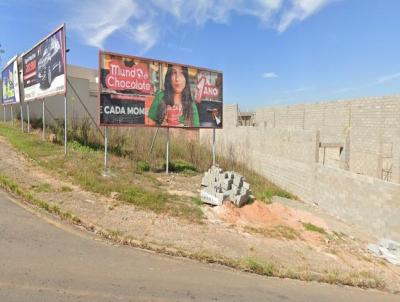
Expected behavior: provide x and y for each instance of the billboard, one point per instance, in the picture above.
(43, 67)
(136, 91)
(10, 83)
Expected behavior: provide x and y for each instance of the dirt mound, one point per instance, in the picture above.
(260, 216)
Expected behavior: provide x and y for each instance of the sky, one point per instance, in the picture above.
(271, 52)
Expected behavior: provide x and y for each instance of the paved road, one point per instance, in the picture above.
(41, 260)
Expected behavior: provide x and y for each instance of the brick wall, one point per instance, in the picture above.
(283, 156)
(372, 126)
(288, 155)
(369, 202)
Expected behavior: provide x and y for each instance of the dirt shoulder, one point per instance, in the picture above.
(276, 239)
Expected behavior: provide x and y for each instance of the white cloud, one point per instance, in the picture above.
(388, 78)
(145, 21)
(96, 21)
(145, 34)
(269, 75)
(219, 11)
(299, 10)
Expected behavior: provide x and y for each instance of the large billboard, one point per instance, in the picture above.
(10, 83)
(136, 91)
(44, 67)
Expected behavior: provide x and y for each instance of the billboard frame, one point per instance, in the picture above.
(62, 26)
(154, 60)
(6, 65)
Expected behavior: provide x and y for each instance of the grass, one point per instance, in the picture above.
(115, 233)
(271, 191)
(155, 201)
(313, 228)
(130, 161)
(11, 186)
(187, 155)
(83, 166)
(364, 279)
(142, 166)
(66, 189)
(180, 166)
(259, 267)
(197, 201)
(42, 187)
(279, 231)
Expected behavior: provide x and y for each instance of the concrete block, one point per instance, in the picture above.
(246, 185)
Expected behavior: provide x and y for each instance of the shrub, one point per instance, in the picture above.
(142, 166)
(180, 166)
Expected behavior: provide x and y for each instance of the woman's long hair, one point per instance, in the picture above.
(168, 100)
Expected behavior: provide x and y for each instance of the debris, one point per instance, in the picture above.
(387, 249)
(218, 186)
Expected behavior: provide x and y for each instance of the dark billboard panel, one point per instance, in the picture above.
(43, 67)
(136, 91)
(10, 83)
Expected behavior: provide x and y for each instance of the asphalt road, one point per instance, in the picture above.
(43, 260)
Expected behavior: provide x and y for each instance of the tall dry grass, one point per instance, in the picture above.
(134, 143)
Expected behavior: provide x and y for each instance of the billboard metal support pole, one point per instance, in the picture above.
(12, 116)
(22, 118)
(65, 124)
(105, 151)
(84, 106)
(154, 139)
(213, 148)
(44, 122)
(167, 158)
(29, 117)
(4, 113)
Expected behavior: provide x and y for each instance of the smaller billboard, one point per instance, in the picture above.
(138, 91)
(10, 83)
(43, 67)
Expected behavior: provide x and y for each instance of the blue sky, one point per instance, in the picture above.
(272, 52)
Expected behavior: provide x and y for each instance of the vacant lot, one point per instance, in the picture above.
(163, 213)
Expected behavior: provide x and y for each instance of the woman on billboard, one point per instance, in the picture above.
(174, 106)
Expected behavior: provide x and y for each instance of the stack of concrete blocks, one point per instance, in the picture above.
(218, 186)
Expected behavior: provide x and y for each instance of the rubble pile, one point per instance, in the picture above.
(218, 186)
(387, 249)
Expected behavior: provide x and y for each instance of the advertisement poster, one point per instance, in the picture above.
(143, 92)
(44, 67)
(10, 83)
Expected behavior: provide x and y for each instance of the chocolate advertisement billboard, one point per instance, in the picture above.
(10, 83)
(43, 67)
(137, 91)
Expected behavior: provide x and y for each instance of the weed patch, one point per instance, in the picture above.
(66, 189)
(11, 186)
(272, 191)
(279, 231)
(313, 228)
(43, 187)
(259, 267)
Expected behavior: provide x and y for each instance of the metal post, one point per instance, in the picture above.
(213, 147)
(65, 124)
(12, 116)
(4, 113)
(22, 118)
(84, 106)
(43, 122)
(153, 140)
(105, 150)
(29, 117)
(167, 158)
